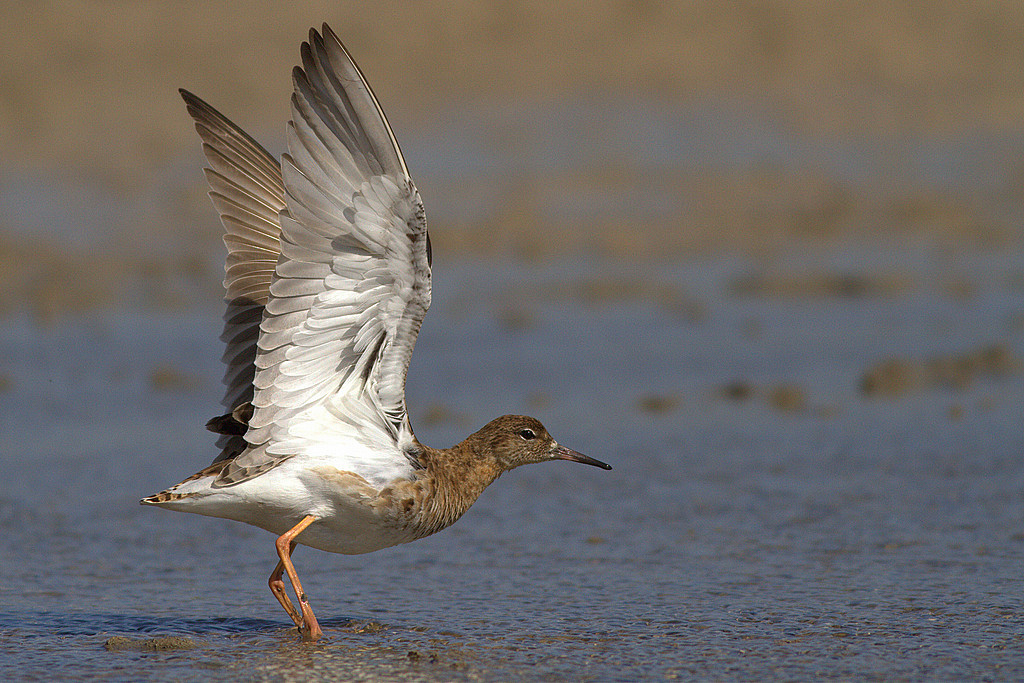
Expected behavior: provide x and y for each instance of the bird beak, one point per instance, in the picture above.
(563, 453)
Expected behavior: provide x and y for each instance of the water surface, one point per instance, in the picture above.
(739, 536)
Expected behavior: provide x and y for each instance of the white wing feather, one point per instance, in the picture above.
(350, 288)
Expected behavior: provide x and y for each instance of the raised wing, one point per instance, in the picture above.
(247, 189)
(349, 291)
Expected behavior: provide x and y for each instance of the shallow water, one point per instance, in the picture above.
(740, 536)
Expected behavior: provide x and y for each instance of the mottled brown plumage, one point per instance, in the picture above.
(455, 477)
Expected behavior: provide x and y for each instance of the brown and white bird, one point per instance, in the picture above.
(328, 280)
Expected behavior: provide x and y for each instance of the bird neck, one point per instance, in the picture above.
(458, 476)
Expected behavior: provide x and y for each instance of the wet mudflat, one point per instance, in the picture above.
(846, 534)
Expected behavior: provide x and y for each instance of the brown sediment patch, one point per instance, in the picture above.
(954, 217)
(517, 319)
(169, 378)
(453, 659)
(737, 391)
(895, 377)
(48, 279)
(752, 208)
(594, 291)
(658, 404)
(760, 207)
(839, 285)
(158, 644)
(371, 627)
(666, 296)
(749, 210)
(787, 398)
(440, 413)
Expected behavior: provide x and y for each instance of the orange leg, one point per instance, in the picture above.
(307, 623)
(277, 588)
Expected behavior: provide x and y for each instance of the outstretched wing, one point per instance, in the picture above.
(247, 189)
(350, 288)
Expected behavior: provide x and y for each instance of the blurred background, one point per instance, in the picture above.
(636, 130)
(762, 257)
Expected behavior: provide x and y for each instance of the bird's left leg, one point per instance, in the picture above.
(277, 588)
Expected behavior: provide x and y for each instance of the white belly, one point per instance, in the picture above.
(279, 499)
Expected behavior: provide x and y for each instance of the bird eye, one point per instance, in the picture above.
(527, 434)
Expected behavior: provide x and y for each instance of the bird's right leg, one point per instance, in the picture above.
(307, 623)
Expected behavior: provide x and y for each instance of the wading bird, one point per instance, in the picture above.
(328, 280)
